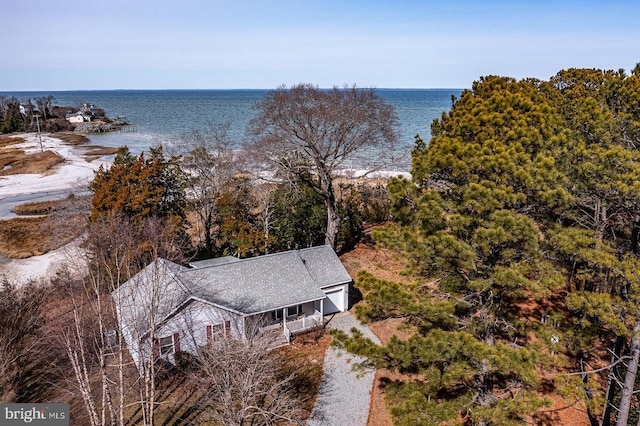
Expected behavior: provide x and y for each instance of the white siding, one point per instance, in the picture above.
(337, 299)
(191, 324)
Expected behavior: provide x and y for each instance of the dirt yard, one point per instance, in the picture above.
(386, 265)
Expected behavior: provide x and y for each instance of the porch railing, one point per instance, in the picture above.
(301, 324)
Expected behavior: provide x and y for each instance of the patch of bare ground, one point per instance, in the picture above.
(561, 413)
(378, 261)
(379, 414)
(387, 265)
(305, 357)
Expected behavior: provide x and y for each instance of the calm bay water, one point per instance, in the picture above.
(162, 116)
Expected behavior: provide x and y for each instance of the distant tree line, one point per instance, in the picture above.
(17, 116)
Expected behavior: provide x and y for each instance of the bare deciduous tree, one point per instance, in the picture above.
(313, 134)
(44, 105)
(211, 162)
(247, 384)
(263, 194)
(20, 321)
(94, 340)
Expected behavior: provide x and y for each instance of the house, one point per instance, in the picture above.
(77, 117)
(167, 308)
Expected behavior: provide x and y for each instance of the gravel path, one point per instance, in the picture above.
(345, 395)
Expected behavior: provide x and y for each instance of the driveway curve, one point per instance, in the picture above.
(345, 395)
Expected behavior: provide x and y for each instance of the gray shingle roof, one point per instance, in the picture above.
(216, 261)
(249, 286)
(324, 266)
(256, 284)
(150, 295)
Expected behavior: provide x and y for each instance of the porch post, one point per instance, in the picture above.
(322, 308)
(284, 319)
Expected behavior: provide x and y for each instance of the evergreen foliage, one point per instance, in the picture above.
(237, 226)
(140, 188)
(528, 189)
(11, 120)
(138, 204)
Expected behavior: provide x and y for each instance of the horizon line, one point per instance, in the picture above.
(220, 89)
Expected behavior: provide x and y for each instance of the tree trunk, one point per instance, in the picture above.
(333, 224)
(629, 379)
(208, 240)
(611, 387)
(635, 234)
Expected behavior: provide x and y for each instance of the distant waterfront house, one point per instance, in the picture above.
(167, 308)
(78, 117)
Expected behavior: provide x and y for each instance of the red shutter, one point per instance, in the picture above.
(209, 334)
(176, 342)
(156, 348)
(227, 328)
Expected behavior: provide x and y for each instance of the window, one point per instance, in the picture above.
(276, 315)
(294, 310)
(166, 345)
(214, 332)
(112, 338)
(218, 331)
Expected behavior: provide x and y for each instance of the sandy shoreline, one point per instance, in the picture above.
(74, 173)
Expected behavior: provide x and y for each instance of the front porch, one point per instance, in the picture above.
(288, 322)
(306, 322)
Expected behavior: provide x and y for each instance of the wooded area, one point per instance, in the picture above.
(521, 229)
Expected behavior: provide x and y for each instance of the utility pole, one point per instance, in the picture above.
(39, 135)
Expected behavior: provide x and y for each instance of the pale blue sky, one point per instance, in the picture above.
(218, 44)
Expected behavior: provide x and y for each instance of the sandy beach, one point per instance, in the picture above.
(72, 175)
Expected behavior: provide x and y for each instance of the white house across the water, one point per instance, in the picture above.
(167, 308)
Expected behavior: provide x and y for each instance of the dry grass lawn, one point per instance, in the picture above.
(35, 208)
(90, 152)
(24, 237)
(71, 138)
(16, 161)
(6, 140)
(95, 152)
